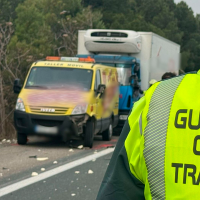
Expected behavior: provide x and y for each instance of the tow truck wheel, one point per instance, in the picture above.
(107, 134)
(21, 138)
(89, 134)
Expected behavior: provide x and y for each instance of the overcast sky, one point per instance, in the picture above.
(194, 4)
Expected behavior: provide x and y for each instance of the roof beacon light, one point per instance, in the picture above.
(88, 59)
(52, 58)
(70, 59)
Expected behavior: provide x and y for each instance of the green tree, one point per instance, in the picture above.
(67, 35)
(187, 23)
(7, 10)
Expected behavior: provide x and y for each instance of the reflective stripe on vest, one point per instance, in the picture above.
(155, 135)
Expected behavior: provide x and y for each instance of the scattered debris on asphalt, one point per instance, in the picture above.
(34, 174)
(55, 162)
(33, 156)
(73, 195)
(80, 147)
(111, 146)
(90, 171)
(42, 159)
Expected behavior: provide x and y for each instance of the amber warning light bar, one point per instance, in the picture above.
(70, 59)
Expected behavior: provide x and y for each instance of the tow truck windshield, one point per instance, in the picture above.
(58, 78)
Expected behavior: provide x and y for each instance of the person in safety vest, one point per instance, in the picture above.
(157, 156)
(168, 75)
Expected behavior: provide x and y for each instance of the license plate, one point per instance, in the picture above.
(123, 117)
(46, 130)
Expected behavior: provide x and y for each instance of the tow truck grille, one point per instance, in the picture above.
(47, 123)
(49, 110)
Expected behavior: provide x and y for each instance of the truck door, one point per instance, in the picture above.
(98, 101)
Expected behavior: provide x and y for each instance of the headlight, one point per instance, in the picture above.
(80, 109)
(20, 105)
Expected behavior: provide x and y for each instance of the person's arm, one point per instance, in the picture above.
(119, 183)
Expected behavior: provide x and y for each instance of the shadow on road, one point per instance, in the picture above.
(46, 142)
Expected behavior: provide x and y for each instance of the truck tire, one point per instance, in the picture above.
(89, 134)
(107, 134)
(21, 138)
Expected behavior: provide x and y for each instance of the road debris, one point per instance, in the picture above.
(71, 150)
(80, 147)
(73, 195)
(33, 156)
(42, 159)
(42, 169)
(34, 174)
(77, 172)
(90, 172)
(55, 162)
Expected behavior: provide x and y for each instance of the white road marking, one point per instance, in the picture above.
(21, 184)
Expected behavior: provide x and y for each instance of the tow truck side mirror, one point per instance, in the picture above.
(17, 86)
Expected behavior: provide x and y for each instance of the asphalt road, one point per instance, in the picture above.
(74, 176)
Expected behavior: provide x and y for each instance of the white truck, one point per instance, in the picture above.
(136, 55)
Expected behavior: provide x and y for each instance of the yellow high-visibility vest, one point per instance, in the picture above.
(158, 154)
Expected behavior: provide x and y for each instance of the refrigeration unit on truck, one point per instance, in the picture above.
(138, 57)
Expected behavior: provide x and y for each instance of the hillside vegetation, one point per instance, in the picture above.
(31, 30)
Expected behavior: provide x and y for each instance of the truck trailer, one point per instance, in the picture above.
(138, 56)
